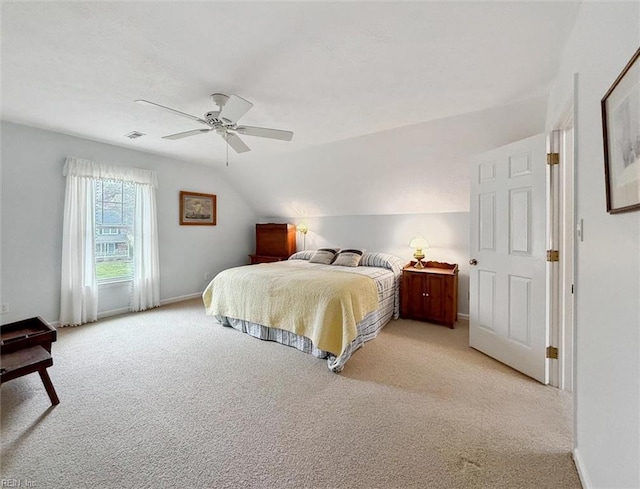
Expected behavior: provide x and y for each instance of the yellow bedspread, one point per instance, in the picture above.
(322, 305)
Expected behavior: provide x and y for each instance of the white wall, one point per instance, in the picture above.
(422, 168)
(32, 208)
(447, 234)
(607, 391)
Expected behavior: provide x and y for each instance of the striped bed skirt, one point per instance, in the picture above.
(368, 328)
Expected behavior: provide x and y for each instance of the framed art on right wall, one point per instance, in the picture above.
(621, 133)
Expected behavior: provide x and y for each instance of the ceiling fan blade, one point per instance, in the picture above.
(236, 143)
(177, 112)
(263, 132)
(186, 134)
(234, 108)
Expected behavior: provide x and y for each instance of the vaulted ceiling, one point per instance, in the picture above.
(387, 100)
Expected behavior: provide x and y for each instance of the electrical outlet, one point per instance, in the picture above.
(580, 230)
(4, 308)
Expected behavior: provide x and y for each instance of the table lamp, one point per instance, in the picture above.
(418, 244)
(304, 229)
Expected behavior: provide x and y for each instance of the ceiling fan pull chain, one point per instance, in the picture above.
(226, 140)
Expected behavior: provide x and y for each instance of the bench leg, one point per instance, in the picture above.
(49, 386)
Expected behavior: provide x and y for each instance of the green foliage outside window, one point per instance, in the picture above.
(110, 270)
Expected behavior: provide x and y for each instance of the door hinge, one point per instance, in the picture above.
(552, 352)
(553, 158)
(553, 255)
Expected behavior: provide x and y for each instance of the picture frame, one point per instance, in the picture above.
(621, 137)
(197, 209)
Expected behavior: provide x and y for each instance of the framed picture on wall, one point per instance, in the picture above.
(621, 133)
(197, 209)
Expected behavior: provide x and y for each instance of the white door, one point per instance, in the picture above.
(507, 279)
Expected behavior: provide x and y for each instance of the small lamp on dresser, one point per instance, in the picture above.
(418, 244)
(304, 229)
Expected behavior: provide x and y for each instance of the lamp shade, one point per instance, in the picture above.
(303, 228)
(419, 243)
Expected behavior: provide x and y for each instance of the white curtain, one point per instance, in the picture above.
(146, 270)
(102, 171)
(79, 288)
(79, 291)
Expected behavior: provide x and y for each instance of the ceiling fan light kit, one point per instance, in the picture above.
(224, 122)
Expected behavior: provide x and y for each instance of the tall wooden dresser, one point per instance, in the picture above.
(274, 242)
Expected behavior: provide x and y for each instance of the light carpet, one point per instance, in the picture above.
(169, 398)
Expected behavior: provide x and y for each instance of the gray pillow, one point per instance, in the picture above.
(324, 255)
(348, 258)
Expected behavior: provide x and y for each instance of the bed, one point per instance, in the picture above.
(326, 310)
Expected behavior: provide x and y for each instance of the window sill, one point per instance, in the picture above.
(116, 282)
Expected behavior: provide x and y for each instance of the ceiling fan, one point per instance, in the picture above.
(224, 122)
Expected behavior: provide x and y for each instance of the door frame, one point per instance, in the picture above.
(561, 213)
(554, 285)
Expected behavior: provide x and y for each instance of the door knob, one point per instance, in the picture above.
(473, 262)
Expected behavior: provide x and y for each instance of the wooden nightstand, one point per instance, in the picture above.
(430, 293)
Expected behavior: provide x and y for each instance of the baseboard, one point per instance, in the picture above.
(180, 298)
(163, 302)
(113, 312)
(463, 316)
(582, 473)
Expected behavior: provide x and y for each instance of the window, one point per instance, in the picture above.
(115, 203)
(111, 235)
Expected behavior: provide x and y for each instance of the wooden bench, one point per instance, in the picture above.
(25, 348)
(27, 361)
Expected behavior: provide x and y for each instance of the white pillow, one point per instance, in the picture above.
(348, 258)
(302, 255)
(324, 255)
